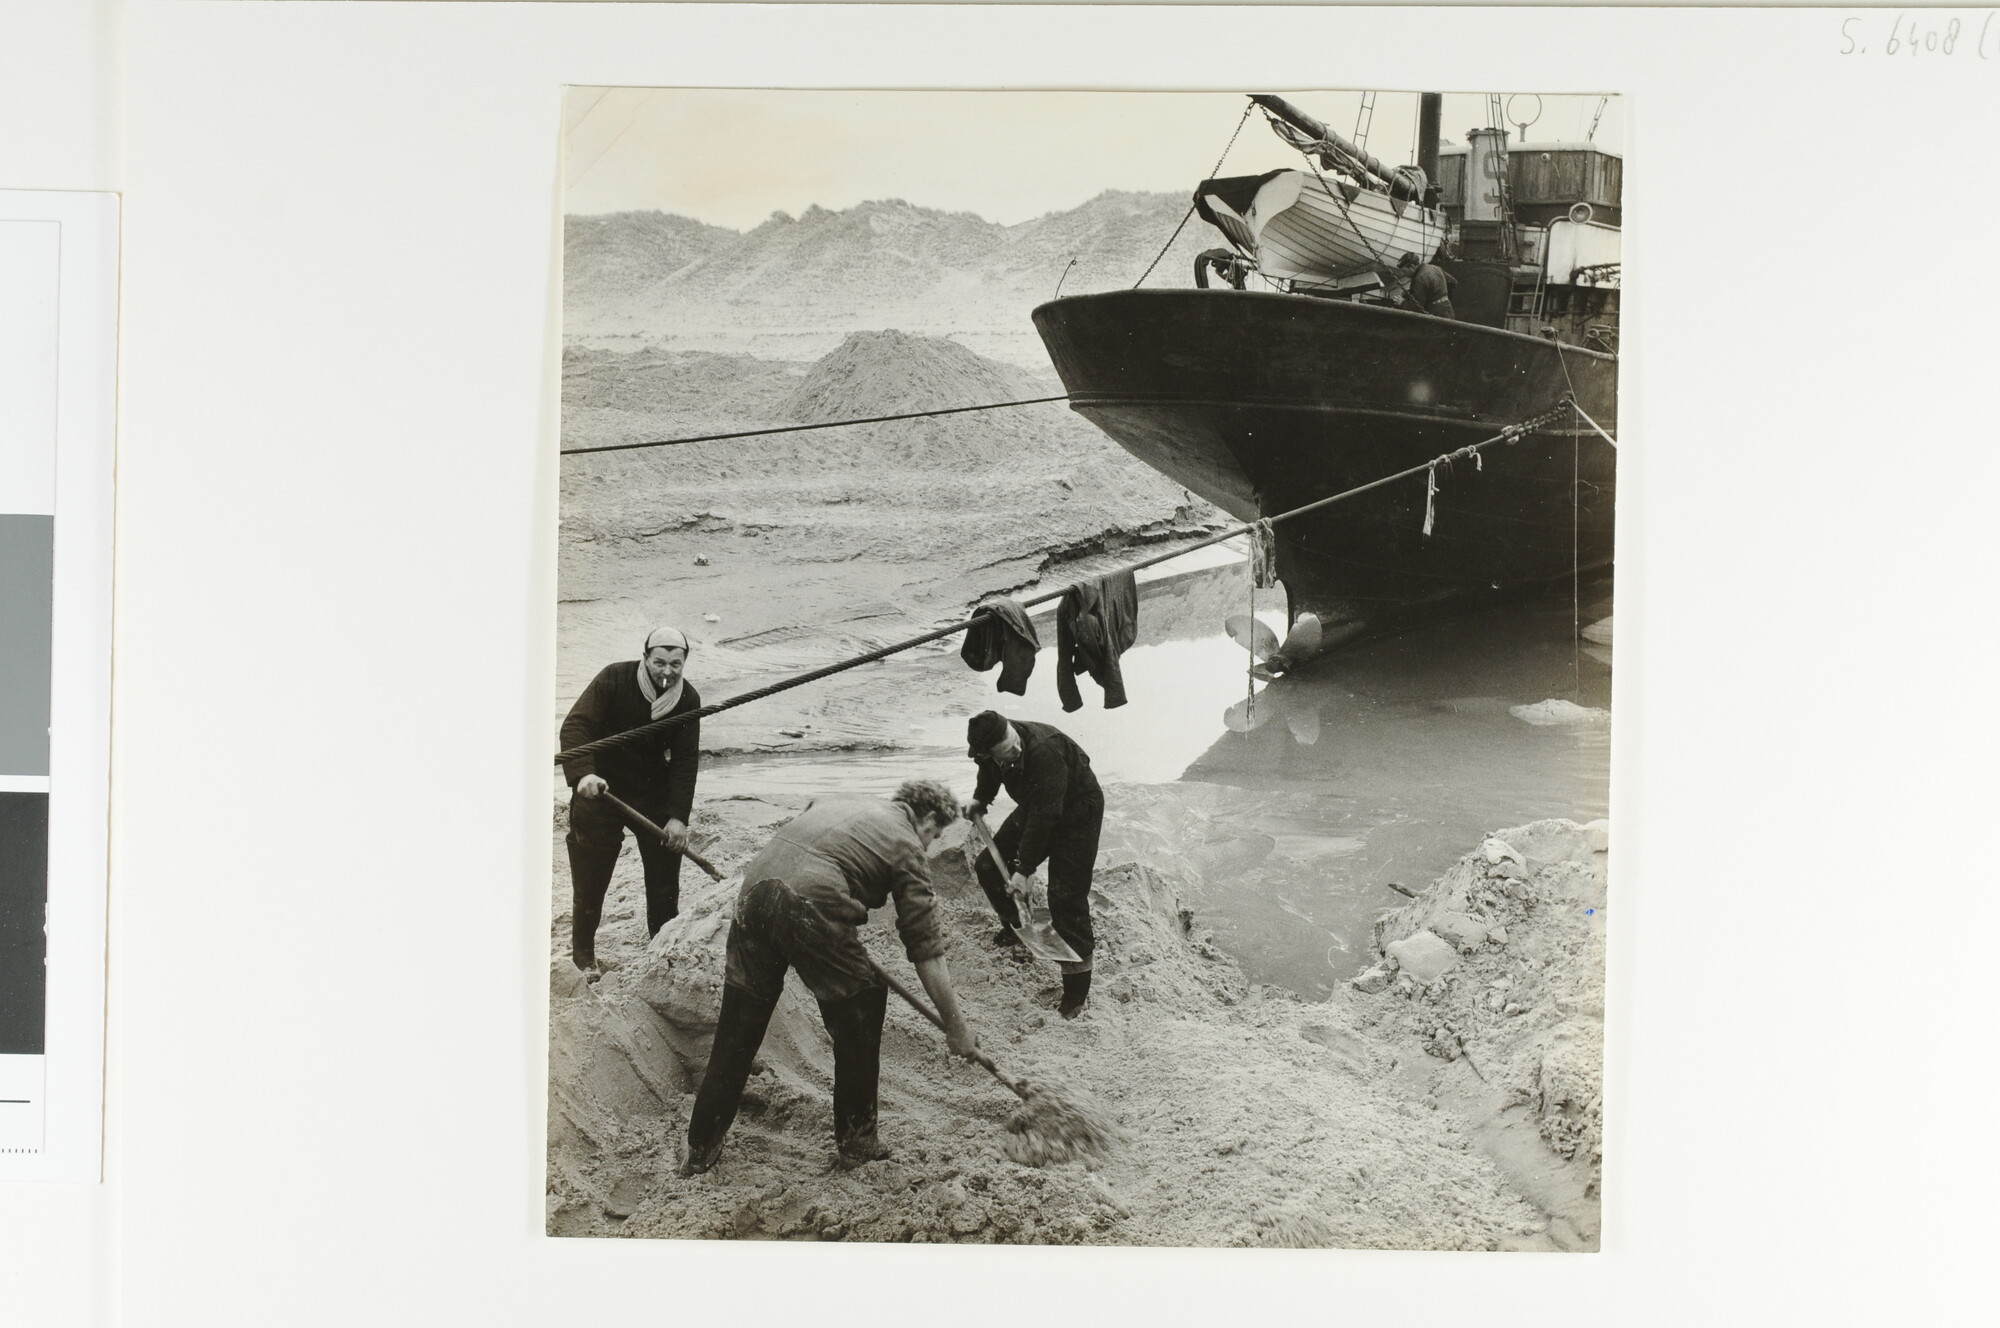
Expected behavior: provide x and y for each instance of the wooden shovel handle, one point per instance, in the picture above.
(918, 1004)
(993, 849)
(638, 822)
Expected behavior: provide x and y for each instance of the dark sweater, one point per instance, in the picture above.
(1431, 288)
(1053, 783)
(657, 766)
(850, 855)
(1096, 622)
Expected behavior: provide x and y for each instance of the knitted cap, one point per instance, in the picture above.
(983, 730)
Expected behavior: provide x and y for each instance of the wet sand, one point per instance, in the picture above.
(1358, 1121)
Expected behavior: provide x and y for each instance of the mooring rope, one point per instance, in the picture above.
(800, 428)
(1513, 433)
(1593, 424)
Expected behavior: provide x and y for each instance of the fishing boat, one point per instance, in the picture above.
(1310, 372)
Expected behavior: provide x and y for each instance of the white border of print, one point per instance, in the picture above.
(72, 1069)
(340, 290)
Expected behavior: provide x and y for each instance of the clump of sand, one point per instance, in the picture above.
(1055, 1124)
(1297, 1123)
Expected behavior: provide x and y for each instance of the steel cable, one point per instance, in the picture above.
(1511, 434)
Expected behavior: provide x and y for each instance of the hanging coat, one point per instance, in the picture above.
(1007, 639)
(1096, 623)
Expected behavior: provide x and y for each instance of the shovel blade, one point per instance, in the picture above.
(1039, 938)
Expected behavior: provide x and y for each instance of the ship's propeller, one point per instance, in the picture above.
(1252, 635)
(1300, 644)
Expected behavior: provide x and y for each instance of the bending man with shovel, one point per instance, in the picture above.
(1058, 816)
(803, 896)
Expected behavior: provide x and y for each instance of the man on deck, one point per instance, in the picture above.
(803, 897)
(1058, 815)
(1428, 286)
(653, 773)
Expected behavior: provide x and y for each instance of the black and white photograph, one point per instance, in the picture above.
(1083, 667)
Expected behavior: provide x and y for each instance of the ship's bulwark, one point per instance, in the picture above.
(1262, 402)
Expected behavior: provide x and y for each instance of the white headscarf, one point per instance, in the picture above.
(662, 703)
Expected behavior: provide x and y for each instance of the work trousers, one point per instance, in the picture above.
(1072, 859)
(596, 834)
(774, 930)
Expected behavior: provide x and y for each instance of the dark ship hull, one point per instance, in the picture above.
(1263, 402)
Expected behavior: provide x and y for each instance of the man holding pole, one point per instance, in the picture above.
(654, 773)
(1058, 816)
(803, 897)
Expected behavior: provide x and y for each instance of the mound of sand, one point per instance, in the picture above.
(1500, 966)
(1296, 1123)
(891, 372)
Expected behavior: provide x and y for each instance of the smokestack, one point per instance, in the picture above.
(1430, 114)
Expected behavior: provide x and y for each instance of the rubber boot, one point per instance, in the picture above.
(1076, 992)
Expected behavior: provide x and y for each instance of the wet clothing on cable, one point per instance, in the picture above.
(1008, 639)
(804, 895)
(1430, 291)
(1057, 819)
(655, 774)
(1096, 622)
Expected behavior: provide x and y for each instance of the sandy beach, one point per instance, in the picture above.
(1461, 1112)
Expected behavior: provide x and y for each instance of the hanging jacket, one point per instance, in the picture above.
(1096, 623)
(1007, 639)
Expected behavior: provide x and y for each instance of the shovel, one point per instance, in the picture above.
(917, 1004)
(1051, 1125)
(1037, 932)
(640, 825)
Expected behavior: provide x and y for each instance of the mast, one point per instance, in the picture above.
(1430, 118)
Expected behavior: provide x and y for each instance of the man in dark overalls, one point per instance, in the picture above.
(803, 896)
(1058, 814)
(1427, 286)
(653, 773)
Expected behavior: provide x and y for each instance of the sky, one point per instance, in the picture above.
(732, 157)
